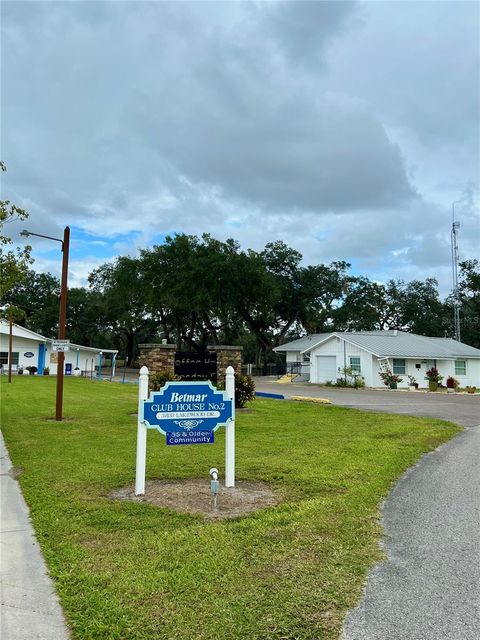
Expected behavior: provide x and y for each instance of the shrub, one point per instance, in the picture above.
(389, 377)
(351, 378)
(452, 383)
(159, 379)
(32, 370)
(359, 382)
(244, 390)
(46, 371)
(433, 375)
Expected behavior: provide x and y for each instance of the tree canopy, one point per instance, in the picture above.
(14, 261)
(195, 291)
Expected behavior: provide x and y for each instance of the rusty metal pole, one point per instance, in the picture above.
(62, 321)
(10, 340)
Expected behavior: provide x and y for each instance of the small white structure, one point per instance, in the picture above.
(32, 349)
(322, 357)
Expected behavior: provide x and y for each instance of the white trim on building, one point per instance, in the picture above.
(32, 349)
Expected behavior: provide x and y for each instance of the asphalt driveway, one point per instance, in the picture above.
(463, 409)
(428, 588)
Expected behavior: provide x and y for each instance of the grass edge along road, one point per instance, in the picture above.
(128, 571)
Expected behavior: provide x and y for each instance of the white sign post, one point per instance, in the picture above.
(230, 431)
(141, 434)
(180, 398)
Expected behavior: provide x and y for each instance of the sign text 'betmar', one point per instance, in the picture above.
(187, 412)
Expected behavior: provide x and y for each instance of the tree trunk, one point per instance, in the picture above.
(130, 347)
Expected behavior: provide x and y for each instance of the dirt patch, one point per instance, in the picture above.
(15, 472)
(193, 496)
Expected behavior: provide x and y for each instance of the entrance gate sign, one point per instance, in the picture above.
(186, 413)
(196, 366)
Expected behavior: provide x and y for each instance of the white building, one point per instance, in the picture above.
(32, 349)
(321, 357)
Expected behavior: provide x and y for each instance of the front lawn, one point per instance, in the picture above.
(129, 571)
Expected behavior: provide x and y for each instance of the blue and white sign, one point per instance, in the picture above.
(28, 354)
(187, 412)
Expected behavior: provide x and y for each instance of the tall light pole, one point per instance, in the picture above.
(456, 297)
(62, 319)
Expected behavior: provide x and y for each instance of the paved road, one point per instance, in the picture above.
(463, 408)
(429, 586)
(29, 606)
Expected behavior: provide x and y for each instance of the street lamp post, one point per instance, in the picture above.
(62, 319)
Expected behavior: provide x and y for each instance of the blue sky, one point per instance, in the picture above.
(346, 129)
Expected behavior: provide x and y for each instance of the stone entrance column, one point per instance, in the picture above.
(227, 356)
(157, 357)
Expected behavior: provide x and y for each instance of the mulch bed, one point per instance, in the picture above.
(193, 496)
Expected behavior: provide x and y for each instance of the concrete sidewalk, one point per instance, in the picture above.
(29, 605)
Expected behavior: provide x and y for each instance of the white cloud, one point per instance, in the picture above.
(345, 129)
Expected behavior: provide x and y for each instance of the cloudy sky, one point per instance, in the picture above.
(346, 129)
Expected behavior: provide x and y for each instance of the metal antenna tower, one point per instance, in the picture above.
(456, 296)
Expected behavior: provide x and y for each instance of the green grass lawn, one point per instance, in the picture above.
(133, 571)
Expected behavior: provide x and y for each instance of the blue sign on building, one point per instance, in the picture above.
(188, 412)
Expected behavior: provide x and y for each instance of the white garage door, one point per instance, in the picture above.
(326, 368)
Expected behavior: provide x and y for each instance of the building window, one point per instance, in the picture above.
(460, 367)
(398, 366)
(355, 364)
(4, 357)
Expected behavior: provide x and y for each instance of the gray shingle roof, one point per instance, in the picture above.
(392, 344)
(303, 343)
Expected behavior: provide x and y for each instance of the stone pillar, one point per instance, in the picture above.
(157, 357)
(227, 356)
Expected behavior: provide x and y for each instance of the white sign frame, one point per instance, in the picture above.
(141, 459)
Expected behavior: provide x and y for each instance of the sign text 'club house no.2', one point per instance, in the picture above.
(186, 413)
